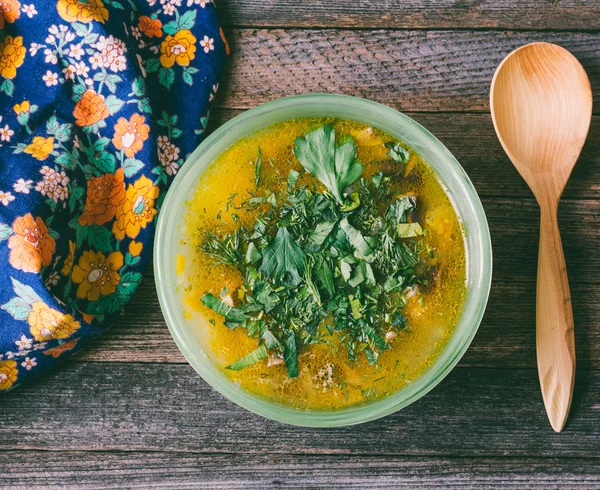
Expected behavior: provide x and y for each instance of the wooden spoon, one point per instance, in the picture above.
(541, 103)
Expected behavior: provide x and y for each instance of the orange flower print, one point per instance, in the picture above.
(68, 263)
(12, 54)
(137, 210)
(62, 348)
(97, 274)
(40, 148)
(46, 323)
(8, 374)
(224, 39)
(104, 194)
(31, 246)
(9, 11)
(130, 135)
(150, 27)
(90, 109)
(75, 10)
(180, 49)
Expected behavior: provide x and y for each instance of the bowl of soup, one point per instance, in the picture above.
(322, 260)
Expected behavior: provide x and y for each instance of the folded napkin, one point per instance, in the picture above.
(100, 102)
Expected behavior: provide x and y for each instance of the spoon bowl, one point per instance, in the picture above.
(541, 104)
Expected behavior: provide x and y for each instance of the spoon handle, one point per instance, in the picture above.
(554, 325)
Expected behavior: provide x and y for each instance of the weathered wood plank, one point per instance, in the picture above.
(413, 14)
(70, 469)
(474, 412)
(423, 71)
(506, 337)
(472, 140)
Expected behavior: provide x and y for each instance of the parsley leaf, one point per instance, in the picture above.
(249, 359)
(283, 259)
(290, 355)
(396, 152)
(335, 166)
(362, 248)
(234, 317)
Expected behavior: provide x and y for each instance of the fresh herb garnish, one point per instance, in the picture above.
(334, 165)
(396, 152)
(322, 265)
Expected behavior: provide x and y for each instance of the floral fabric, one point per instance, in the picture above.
(100, 102)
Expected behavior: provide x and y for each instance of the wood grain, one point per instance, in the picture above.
(132, 469)
(413, 14)
(154, 407)
(423, 71)
(472, 140)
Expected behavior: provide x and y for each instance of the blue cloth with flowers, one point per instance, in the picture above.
(100, 102)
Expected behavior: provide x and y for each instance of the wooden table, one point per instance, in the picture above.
(129, 411)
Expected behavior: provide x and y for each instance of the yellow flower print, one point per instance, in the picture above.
(12, 54)
(137, 209)
(46, 323)
(75, 10)
(180, 49)
(40, 147)
(96, 274)
(8, 374)
(66, 268)
(135, 248)
(22, 107)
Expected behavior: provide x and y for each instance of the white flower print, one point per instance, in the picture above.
(53, 185)
(152, 3)
(208, 44)
(6, 197)
(69, 72)
(81, 69)
(50, 78)
(22, 185)
(24, 343)
(141, 63)
(89, 82)
(202, 3)
(33, 49)
(110, 54)
(40, 345)
(76, 51)
(29, 363)
(50, 39)
(10, 355)
(29, 10)
(168, 154)
(53, 29)
(169, 9)
(69, 36)
(53, 279)
(6, 133)
(50, 55)
(135, 32)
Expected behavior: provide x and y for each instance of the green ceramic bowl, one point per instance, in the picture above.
(450, 173)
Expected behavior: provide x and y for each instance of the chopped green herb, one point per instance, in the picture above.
(396, 152)
(249, 359)
(257, 168)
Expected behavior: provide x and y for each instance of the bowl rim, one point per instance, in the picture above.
(354, 414)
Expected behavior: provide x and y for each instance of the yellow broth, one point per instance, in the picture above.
(326, 378)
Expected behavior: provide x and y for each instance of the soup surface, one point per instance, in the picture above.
(331, 368)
